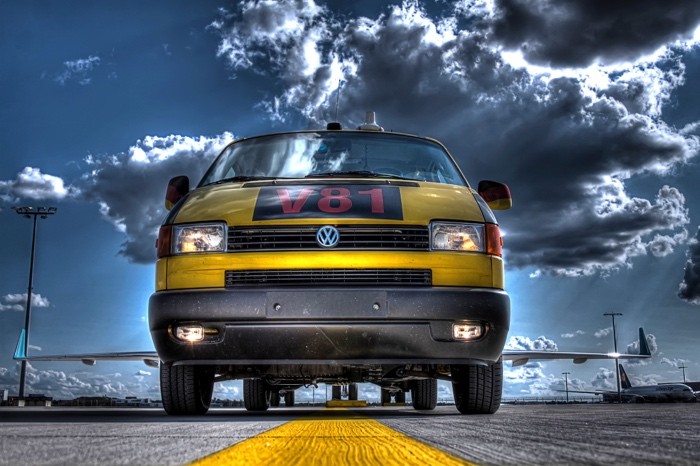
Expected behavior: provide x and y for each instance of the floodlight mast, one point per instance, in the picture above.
(30, 212)
(566, 382)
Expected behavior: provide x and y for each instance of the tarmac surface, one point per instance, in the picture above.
(516, 434)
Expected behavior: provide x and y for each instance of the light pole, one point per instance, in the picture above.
(683, 368)
(30, 212)
(617, 360)
(566, 384)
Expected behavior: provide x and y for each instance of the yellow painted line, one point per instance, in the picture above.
(346, 441)
(346, 404)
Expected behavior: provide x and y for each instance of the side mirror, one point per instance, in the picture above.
(497, 195)
(178, 187)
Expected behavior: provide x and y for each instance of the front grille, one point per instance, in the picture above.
(329, 277)
(351, 237)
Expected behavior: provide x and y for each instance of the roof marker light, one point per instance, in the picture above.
(370, 123)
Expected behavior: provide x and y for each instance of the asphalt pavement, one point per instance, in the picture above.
(525, 434)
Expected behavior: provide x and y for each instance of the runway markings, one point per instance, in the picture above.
(339, 441)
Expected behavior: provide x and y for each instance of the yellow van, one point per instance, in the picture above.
(331, 256)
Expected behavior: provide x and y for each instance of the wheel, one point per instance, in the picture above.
(289, 398)
(478, 389)
(256, 395)
(186, 389)
(352, 391)
(400, 397)
(424, 393)
(275, 399)
(335, 392)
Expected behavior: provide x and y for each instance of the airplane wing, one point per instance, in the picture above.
(150, 358)
(521, 357)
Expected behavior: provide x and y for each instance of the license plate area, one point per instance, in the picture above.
(326, 304)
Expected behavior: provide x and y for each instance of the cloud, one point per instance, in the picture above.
(18, 302)
(675, 362)
(567, 141)
(62, 385)
(603, 332)
(78, 70)
(292, 37)
(584, 32)
(34, 347)
(689, 288)
(30, 183)
(130, 187)
(573, 334)
(524, 343)
(524, 374)
(604, 380)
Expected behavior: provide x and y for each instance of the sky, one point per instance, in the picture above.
(587, 110)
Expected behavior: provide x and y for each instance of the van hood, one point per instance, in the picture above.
(340, 201)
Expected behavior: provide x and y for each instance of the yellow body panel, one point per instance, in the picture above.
(449, 269)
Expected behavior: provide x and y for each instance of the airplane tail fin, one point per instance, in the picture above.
(624, 380)
(19, 351)
(643, 346)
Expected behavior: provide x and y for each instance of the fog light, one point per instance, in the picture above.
(189, 333)
(467, 331)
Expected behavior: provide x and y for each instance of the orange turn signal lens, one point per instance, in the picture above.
(494, 241)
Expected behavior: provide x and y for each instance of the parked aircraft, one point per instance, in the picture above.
(642, 393)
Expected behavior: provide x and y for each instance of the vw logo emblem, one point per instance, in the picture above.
(327, 237)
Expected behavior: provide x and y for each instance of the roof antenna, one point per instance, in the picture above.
(335, 125)
(337, 98)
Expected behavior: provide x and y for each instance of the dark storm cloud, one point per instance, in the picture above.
(689, 289)
(577, 33)
(566, 145)
(130, 187)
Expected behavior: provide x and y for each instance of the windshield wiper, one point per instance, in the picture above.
(238, 178)
(355, 173)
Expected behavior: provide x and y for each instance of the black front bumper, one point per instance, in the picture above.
(329, 326)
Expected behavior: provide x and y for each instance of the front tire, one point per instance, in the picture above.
(424, 393)
(186, 390)
(256, 395)
(478, 389)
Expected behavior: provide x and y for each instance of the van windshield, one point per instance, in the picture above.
(328, 154)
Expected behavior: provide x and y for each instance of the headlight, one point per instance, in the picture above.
(209, 237)
(457, 237)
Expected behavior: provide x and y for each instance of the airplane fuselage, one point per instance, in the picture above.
(655, 393)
